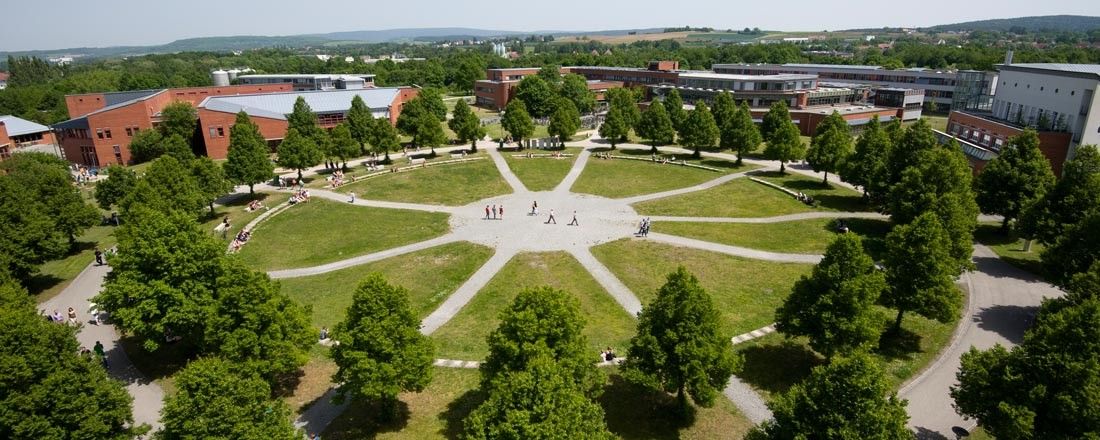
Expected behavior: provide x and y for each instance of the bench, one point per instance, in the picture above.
(457, 155)
(419, 161)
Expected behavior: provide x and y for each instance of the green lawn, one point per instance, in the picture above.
(541, 173)
(322, 231)
(236, 210)
(803, 236)
(452, 185)
(430, 276)
(356, 167)
(746, 292)
(608, 324)
(633, 412)
(53, 276)
(624, 178)
(774, 363)
(1010, 248)
(436, 412)
(830, 198)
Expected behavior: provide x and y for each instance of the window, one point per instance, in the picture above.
(1055, 91)
(99, 133)
(221, 132)
(1072, 92)
(1041, 88)
(213, 133)
(107, 133)
(129, 132)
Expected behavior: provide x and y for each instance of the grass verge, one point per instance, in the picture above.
(541, 173)
(1010, 248)
(323, 231)
(801, 236)
(625, 178)
(607, 323)
(54, 276)
(452, 185)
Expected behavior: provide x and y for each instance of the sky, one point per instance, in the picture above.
(56, 24)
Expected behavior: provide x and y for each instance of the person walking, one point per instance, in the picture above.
(486, 212)
(500, 211)
(352, 197)
(102, 355)
(494, 212)
(535, 207)
(98, 257)
(551, 219)
(574, 222)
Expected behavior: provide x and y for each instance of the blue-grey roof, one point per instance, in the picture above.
(115, 98)
(278, 105)
(1093, 69)
(19, 126)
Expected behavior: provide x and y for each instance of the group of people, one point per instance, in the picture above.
(241, 238)
(805, 198)
(253, 205)
(84, 175)
(335, 179)
(300, 196)
(497, 212)
(643, 227)
(607, 355)
(68, 318)
(96, 350)
(603, 155)
(290, 182)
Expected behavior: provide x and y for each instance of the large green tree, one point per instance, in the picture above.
(47, 389)
(785, 145)
(920, 271)
(907, 146)
(540, 401)
(432, 98)
(614, 127)
(360, 122)
(466, 125)
(626, 101)
(847, 399)
(168, 185)
(1020, 176)
(778, 116)
(537, 94)
(1075, 251)
(429, 132)
(940, 183)
(298, 152)
(575, 88)
(248, 161)
(831, 145)
(46, 178)
(343, 145)
(381, 351)
(1073, 197)
(835, 306)
(1046, 388)
(656, 126)
(741, 133)
(675, 106)
(146, 145)
(119, 183)
(699, 130)
(547, 321)
(163, 279)
(216, 400)
(256, 326)
(384, 138)
(724, 111)
(678, 347)
(304, 121)
(179, 118)
(211, 179)
(516, 121)
(565, 121)
(866, 167)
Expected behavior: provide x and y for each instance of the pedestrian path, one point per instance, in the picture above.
(608, 280)
(574, 172)
(465, 293)
(776, 219)
(758, 333)
(679, 191)
(326, 194)
(363, 259)
(509, 176)
(735, 250)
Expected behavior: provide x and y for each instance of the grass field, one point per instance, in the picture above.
(773, 363)
(430, 276)
(358, 167)
(452, 185)
(737, 198)
(745, 292)
(803, 236)
(53, 276)
(541, 173)
(237, 213)
(625, 178)
(1010, 248)
(633, 412)
(830, 198)
(607, 323)
(322, 231)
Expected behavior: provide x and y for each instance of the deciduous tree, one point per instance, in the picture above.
(575, 88)
(179, 118)
(211, 180)
(1073, 197)
(298, 152)
(920, 271)
(699, 130)
(724, 112)
(248, 161)
(778, 116)
(565, 121)
(846, 399)
(830, 146)
(214, 399)
(466, 125)
(516, 121)
(46, 178)
(675, 106)
(384, 138)
(866, 167)
(1020, 176)
(785, 145)
(656, 126)
(626, 101)
(834, 306)
(537, 95)
(118, 184)
(343, 145)
(304, 121)
(381, 351)
(614, 127)
(744, 136)
(678, 347)
(168, 185)
(27, 235)
(360, 122)
(907, 148)
(1075, 251)
(146, 145)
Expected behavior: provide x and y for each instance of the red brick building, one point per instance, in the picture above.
(982, 132)
(218, 113)
(496, 90)
(17, 133)
(103, 124)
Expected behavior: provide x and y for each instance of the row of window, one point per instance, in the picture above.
(976, 136)
(1041, 88)
(217, 131)
(105, 133)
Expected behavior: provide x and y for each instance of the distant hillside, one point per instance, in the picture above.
(1071, 23)
(387, 35)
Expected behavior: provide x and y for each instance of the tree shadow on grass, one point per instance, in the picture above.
(636, 412)
(40, 282)
(364, 420)
(775, 367)
(458, 410)
(898, 344)
(872, 231)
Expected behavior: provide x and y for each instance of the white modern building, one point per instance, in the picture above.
(1057, 97)
(306, 82)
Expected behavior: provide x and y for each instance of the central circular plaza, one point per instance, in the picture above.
(600, 220)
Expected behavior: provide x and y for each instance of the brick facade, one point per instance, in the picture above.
(993, 134)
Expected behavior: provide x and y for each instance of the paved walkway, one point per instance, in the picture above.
(574, 172)
(509, 176)
(363, 259)
(679, 191)
(735, 250)
(776, 219)
(326, 194)
(1003, 301)
(465, 293)
(609, 281)
(148, 396)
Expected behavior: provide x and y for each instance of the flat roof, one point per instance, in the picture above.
(19, 126)
(730, 76)
(278, 105)
(309, 75)
(916, 70)
(1063, 68)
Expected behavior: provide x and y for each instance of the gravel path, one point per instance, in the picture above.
(776, 219)
(574, 172)
(465, 293)
(509, 176)
(363, 259)
(326, 194)
(735, 250)
(609, 281)
(675, 192)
